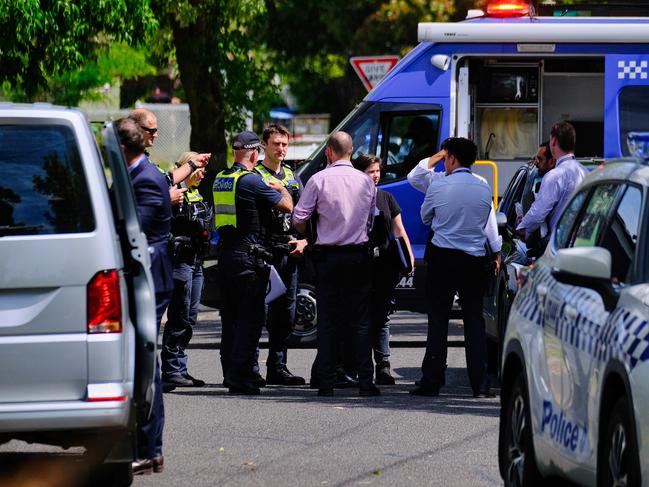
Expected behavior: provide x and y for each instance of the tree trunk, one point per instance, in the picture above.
(204, 95)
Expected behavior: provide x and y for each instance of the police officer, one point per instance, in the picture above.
(190, 227)
(285, 248)
(242, 203)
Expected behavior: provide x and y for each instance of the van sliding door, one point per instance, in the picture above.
(626, 88)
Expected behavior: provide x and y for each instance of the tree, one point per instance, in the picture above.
(224, 68)
(51, 38)
(315, 40)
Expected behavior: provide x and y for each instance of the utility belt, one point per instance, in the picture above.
(279, 244)
(260, 253)
(184, 250)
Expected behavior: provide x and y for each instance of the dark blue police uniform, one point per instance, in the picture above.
(243, 275)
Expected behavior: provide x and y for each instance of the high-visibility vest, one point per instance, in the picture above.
(192, 196)
(224, 191)
(288, 181)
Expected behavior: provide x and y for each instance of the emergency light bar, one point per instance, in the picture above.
(508, 8)
(539, 32)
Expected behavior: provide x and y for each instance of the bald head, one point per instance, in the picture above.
(147, 122)
(340, 146)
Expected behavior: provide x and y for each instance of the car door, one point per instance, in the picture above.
(137, 263)
(582, 314)
(547, 356)
(611, 221)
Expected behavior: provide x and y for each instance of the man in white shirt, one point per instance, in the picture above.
(557, 185)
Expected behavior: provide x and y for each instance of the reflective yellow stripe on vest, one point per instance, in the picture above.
(289, 180)
(193, 196)
(224, 190)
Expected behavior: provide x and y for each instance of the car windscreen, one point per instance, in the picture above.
(43, 189)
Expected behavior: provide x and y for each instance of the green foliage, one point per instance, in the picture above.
(314, 41)
(54, 37)
(225, 35)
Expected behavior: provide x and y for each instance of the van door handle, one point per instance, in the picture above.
(571, 313)
(542, 290)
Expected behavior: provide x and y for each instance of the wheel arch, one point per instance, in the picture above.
(615, 384)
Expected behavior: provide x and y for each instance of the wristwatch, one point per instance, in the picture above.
(193, 165)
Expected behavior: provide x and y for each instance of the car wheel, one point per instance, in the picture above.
(516, 449)
(306, 315)
(618, 463)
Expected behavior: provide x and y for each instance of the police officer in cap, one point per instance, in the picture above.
(190, 227)
(286, 248)
(242, 206)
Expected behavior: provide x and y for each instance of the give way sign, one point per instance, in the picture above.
(372, 69)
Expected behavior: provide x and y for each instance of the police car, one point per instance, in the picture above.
(575, 368)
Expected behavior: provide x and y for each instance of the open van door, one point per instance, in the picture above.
(137, 270)
(626, 109)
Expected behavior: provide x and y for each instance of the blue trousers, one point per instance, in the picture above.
(181, 317)
(385, 277)
(150, 433)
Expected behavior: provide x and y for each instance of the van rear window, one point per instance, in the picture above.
(43, 188)
(634, 112)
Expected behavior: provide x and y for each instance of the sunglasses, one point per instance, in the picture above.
(152, 131)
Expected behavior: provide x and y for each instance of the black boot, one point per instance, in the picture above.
(383, 375)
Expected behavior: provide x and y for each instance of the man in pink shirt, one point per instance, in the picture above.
(344, 200)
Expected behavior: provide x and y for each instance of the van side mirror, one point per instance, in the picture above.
(588, 267)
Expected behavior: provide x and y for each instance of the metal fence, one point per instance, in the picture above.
(174, 128)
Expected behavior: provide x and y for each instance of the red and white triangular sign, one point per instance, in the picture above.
(372, 69)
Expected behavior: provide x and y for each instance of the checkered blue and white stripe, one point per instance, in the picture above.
(632, 69)
(623, 334)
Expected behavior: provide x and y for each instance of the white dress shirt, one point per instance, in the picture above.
(460, 234)
(557, 187)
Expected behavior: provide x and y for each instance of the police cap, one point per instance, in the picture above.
(246, 140)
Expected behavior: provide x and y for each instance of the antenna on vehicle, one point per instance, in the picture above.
(488, 145)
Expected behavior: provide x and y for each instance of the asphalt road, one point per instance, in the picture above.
(289, 436)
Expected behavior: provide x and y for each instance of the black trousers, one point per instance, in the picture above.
(243, 283)
(451, 271)
(343, 283)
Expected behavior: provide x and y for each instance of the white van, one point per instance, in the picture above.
(77, 312)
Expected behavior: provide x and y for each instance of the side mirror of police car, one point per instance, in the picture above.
(587, 267)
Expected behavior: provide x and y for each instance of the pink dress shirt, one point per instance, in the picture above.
(344, 199)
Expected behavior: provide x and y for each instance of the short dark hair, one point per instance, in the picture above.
(547, 153)
(130, 134)
(364, 161)
(464, 150)
(274, 128)
(565, 134)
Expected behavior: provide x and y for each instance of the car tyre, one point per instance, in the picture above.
(516, 447)
(306, 315)
(617, 462)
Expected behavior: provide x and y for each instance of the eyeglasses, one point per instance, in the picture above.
(152, 131)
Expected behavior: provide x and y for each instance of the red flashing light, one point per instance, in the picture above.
(508, 8)
(104, 303)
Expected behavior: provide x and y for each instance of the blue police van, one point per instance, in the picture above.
(502, 78)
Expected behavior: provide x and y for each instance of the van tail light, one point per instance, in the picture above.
(508, 8)
(104, 303)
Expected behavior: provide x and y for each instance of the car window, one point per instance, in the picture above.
(412, 137)
(43, 189)
(567, 220)
(621, 236)
(634, 112)
(594, 219)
